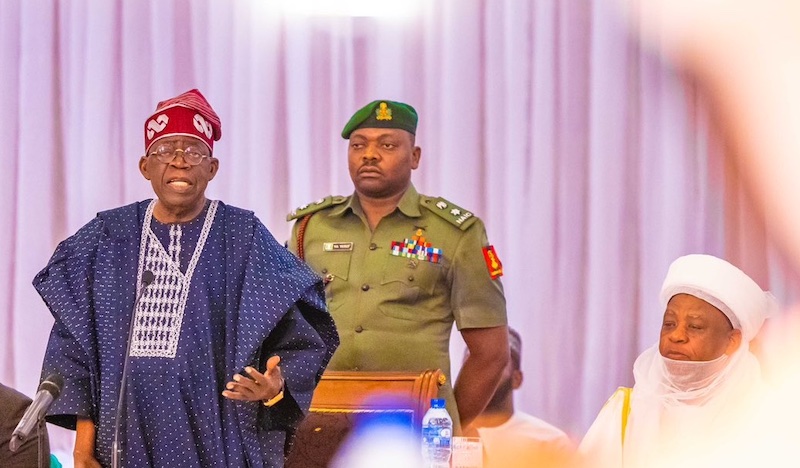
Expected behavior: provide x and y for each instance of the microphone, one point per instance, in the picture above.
(46, 394)
(147, 278)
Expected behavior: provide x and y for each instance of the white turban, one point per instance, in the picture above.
(678, 406)
(722, 285)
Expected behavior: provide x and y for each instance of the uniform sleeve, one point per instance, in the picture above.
(477, 299)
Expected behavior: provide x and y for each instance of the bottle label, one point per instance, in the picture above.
(437, 436)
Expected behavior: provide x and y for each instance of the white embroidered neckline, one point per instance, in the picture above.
(159, 315)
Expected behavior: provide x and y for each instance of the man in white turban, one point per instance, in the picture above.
(698, 382)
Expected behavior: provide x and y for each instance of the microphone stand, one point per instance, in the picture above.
(147, 278)
(39, 443)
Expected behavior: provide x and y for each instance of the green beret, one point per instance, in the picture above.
(383, 114)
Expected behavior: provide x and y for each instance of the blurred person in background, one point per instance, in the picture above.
(512, 438)
(744, 56)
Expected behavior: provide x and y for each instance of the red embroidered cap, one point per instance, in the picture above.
(188, 114)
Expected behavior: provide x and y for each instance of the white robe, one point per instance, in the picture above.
(662, 433)
(524, 440)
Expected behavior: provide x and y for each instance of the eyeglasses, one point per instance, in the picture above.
(166, 153)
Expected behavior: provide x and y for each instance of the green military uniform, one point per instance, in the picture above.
(393, 312)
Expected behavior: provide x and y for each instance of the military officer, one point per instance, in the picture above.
(401, 267)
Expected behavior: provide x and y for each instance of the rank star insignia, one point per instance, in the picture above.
(455, 212)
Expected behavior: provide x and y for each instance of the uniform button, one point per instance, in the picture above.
(373, 246)
(411, 278)
(359, 329)
(324, 270)
(365, 287)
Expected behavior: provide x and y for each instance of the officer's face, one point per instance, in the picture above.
(381, 161)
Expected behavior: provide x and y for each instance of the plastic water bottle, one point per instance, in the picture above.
(437, 436)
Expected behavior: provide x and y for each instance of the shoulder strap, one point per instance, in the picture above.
(626, 409)
(453, 214)
(316, 206)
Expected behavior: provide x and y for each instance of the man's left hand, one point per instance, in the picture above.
(258, 387)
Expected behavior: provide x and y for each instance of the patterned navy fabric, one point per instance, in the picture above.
(250, 299)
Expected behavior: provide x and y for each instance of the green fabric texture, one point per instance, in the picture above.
(383, 114)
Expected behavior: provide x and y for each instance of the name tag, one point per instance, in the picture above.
(337, 246)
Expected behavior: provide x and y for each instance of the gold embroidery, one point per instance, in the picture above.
(383, 112)
(493, 259)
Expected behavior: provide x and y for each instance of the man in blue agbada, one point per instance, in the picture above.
(229, 338)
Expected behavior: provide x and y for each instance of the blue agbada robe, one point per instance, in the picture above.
(250, 298)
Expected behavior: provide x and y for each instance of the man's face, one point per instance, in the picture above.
(179, 186)
(381, 160)
(694, 330)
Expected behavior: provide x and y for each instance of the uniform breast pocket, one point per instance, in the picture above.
(409, 288)
(334, 268)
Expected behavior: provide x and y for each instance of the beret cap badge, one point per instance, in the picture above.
(383, 114)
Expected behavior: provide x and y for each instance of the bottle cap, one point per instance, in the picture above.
(437, 403)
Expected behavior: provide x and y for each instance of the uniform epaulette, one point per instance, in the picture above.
(450, 212)
(315, 206)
